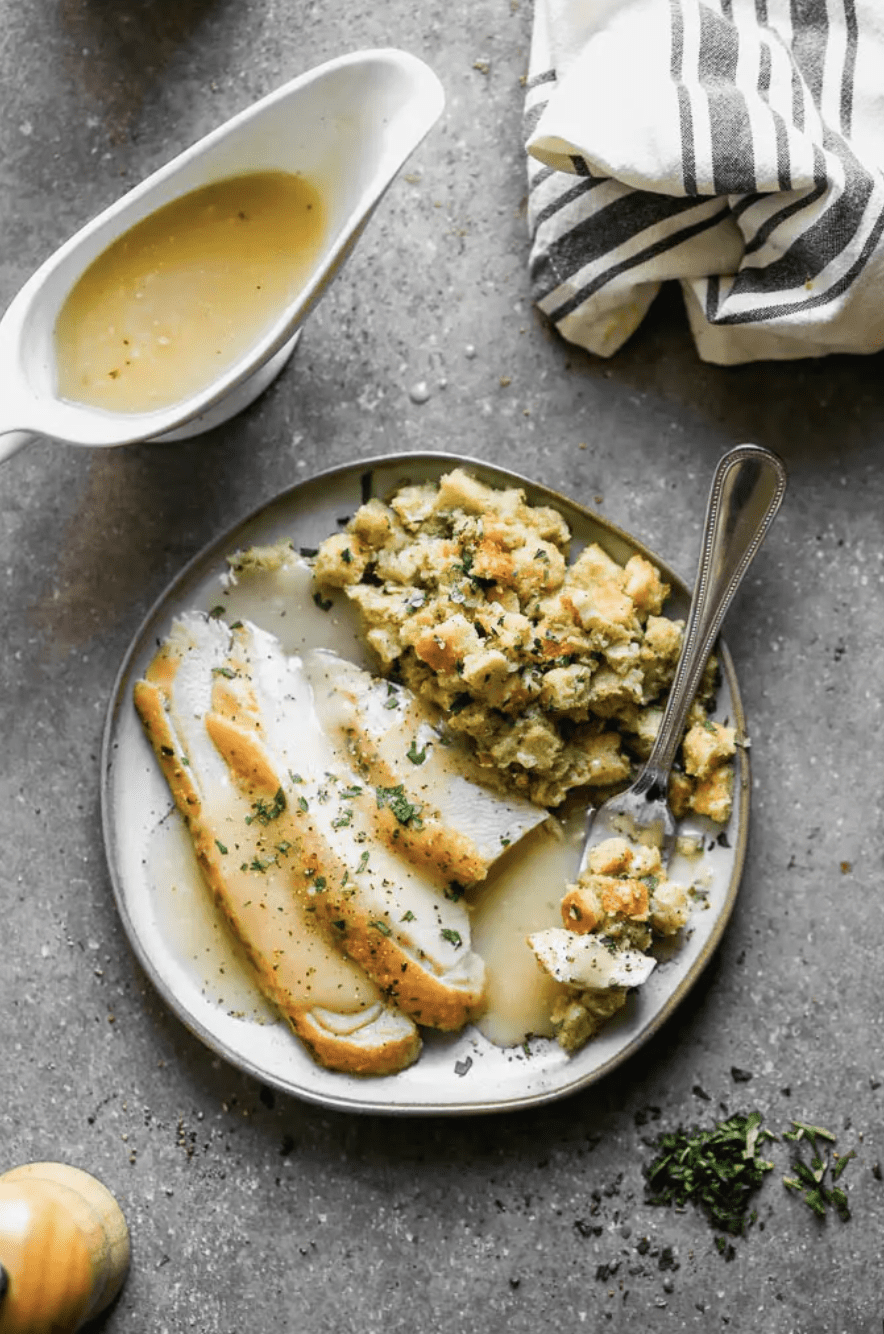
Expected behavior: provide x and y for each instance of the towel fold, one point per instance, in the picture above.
(734, 145)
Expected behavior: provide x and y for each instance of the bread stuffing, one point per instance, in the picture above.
(621, 900)
(554, 670)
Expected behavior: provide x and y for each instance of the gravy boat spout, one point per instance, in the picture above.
(347, 127)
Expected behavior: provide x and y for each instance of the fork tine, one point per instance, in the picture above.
(642, 809)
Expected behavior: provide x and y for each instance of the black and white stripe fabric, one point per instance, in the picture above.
(734, 145)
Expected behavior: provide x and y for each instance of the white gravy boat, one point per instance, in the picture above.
(347, 125)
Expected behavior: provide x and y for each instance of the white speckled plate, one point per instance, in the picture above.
(187, 954)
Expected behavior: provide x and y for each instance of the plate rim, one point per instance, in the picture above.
(226, 542)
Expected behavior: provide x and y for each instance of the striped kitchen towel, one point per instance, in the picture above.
(734, 145)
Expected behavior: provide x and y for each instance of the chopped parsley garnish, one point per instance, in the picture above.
(303, 804)
(224, 671)
(221, 848)
(452, 936)
(258, 864)
(265, 811)
(216, 612)
(809, 1179)
(416, 756)
(348, 792)
(363, 863)
(718, 1170)
(383, 927)
(341, 821)
(395, 800)
(324, 604)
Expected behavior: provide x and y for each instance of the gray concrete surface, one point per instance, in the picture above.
(252, 1211)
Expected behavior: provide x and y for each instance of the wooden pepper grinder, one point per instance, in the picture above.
(64, 1249)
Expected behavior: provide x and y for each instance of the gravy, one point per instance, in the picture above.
(521, 895)
(175, 301)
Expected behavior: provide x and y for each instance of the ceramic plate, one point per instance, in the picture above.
(194, 965)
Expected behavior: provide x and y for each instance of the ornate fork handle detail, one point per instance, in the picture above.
(746, 492)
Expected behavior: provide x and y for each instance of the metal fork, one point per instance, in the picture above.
(746, 492)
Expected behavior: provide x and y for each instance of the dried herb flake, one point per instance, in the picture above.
(395, 800)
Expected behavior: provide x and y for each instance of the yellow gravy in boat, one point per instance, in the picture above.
(180, 297)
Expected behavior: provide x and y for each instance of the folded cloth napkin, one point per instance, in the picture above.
(734, 145)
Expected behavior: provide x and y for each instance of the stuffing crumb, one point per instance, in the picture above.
(259, 560)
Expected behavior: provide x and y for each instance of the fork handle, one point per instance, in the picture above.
(746, 492)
